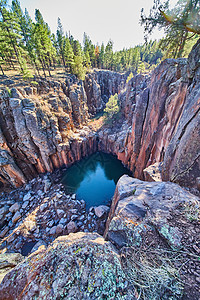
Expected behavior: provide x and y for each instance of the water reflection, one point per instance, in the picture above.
(94, 178)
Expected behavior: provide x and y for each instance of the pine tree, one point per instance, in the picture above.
(87, 62)
(43, 44)
(101, 56)
(60, 42)
(180, 24)
(26, 26)
(11, 29)
(69, 55)
(78, 68)
(109, 55)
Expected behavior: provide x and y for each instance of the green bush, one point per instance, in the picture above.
(129, 77)
(112, 107)
(9, 91)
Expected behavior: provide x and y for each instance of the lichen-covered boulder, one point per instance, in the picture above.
(139, 207)
(77, 266)
(7, 262)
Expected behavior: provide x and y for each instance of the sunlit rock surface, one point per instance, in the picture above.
(77, 266)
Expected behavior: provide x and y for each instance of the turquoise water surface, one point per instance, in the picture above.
(94, 178)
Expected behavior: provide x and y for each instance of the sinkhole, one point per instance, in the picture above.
(94, 178)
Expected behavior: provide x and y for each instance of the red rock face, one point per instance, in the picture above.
(157, 113)
(44, 128)
(165, 123)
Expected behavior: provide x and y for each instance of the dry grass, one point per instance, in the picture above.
(57, 73)
(154, 275)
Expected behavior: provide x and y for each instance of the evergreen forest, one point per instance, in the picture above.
(29, 45)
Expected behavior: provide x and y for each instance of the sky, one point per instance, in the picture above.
(102, 20)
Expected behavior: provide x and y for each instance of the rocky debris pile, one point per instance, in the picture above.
(157, 216)
(41, 211)
(77, 266)
(152, 249)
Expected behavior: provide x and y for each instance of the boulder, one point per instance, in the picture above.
(7, 262)
(16, 217)
(77, 266)
(72, 227)
(153, 172)
(138, 207)
(4, 231)
(101, 210)
(59, 229)
(60, 213)
(15, 207)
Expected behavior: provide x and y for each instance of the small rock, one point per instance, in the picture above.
(198, 279)
(51, 223)
(71, 227)
(74, 217)
(59, 228)
(11, 238)
(30, 225)
(27, 196)
(59, 195)
(73, 196)
(91, 209)
(25, 204)
(53, 230)
(39, 244)
(60, 213)
(89, 217)
(9, 215)
(37, 230)
(2, 211)
(18, 245)
(101, 210)
(15, 207)
(79, 224)
(43, 206)
(4, 231)
(47, 185)
(16, 217)
(63, 221)
(27, 187)
(73, 211)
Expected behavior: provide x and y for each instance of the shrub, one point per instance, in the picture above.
(129, 77)
(112, 107)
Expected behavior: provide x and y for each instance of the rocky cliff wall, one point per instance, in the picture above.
(42, 126)
(45, 126)
(166, 124)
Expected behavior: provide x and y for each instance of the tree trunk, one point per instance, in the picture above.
(2, 70)
(43, 68)
(49, 70)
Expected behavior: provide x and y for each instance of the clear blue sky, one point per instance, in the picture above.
(102, 20)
